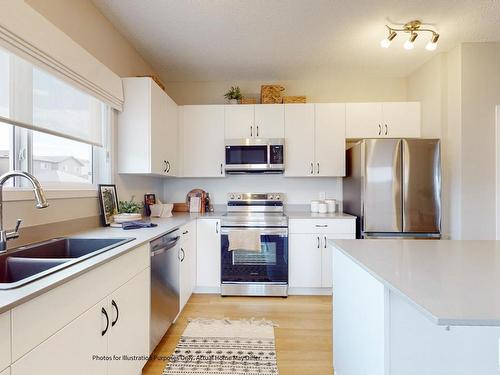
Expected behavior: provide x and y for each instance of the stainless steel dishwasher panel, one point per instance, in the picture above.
(165, 303)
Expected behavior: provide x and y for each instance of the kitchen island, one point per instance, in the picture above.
(404, 307)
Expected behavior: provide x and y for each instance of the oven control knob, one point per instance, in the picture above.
(231, 196)
(270, 197)
(277, 197)
(239, 197)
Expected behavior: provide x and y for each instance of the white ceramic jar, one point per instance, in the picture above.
(314, 206)
(332, 205)
(322, 208)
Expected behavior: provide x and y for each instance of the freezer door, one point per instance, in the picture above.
(382, 198)
(421, 186)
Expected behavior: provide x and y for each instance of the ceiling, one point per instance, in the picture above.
(212, 40)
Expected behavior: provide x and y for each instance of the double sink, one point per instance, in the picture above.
(25, 264)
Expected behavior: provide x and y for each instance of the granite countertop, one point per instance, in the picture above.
(453, 283)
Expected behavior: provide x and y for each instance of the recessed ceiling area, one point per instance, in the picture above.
(202, 40)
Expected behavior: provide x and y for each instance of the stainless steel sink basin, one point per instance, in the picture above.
(28, 263)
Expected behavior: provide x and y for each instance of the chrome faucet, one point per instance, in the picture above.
(41, 202)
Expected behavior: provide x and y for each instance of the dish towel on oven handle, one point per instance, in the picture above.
(248, 240)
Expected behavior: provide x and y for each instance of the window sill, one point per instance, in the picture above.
(23, 194)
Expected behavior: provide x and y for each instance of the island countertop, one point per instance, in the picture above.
(454, 283)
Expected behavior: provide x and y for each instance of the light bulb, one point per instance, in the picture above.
(431, 46)
(408, 45)
(385, 43)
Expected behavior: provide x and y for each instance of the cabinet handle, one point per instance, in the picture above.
(221, 171)
(318, 243)
(251, 131)
(379, 129)
(325, 242)
(165, 162)
(385, 129)
(183, 255)
(217, 227)
(318, 167)
(168, 167)
(113, 303)
(321, 225)
(185, 232)
(179, 254)
(103, 311)
(312, 168)
(257, 130)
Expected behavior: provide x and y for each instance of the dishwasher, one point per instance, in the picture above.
(165, 302)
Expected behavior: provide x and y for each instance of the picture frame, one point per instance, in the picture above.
(149, 199)
(108, 202)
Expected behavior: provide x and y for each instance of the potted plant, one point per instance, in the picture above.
(128, 211)
(233, 95)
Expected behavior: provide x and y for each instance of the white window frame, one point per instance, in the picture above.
(21, 154)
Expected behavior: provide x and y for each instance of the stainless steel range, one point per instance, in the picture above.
(256, 272)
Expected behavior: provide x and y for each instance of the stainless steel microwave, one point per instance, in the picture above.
(260, 155)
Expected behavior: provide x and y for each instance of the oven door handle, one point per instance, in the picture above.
(263, 231)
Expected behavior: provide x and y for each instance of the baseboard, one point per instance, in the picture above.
(309, 291)
(207, 290)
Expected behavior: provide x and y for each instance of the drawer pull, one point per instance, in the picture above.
(321, 225)
(103, 311)
(325, 242)
(113, 303)
(318, 243)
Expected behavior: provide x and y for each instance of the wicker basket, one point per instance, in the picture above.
(294, 99)
(271, 94)
(248, 101)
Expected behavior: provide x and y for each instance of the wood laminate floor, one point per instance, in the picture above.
(303, 338)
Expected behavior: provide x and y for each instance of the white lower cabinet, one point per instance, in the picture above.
(78, 338)
(80, 348)
(310, 257)
(304, 261)
(188, 262)
(208, 259)
(129, 314)
(5, 339)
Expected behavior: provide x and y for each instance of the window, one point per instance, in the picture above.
(56, 128)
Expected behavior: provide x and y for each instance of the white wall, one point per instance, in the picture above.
(297, 190)
(480, 95)
(343, 88)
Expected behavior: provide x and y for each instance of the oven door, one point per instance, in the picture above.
(247, 157)
(267, 266)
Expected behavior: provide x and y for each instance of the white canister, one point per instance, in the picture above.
(314, 206)
(332, 205)
(322, 208)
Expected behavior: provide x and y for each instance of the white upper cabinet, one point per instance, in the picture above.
(299, 140)
(401, 120)
(147, 129)
(269, 121)
(202, 141)
(330, 139)
(254, 121)
(383, 120)
(315, 140)
(239, 121)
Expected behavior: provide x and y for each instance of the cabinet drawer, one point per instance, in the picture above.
(332, 226)
(41, 317)
(4, 340)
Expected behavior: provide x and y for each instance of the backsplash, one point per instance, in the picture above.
(297, 190)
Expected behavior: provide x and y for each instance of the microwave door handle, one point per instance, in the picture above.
(269, 155)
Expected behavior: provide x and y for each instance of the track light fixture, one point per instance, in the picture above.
(413, 28)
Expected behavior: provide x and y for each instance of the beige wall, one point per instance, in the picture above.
(82, 21)
(340, 89)
(86, 25)
(480, 96)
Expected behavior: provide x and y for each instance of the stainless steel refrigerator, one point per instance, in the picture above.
(393, 186)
